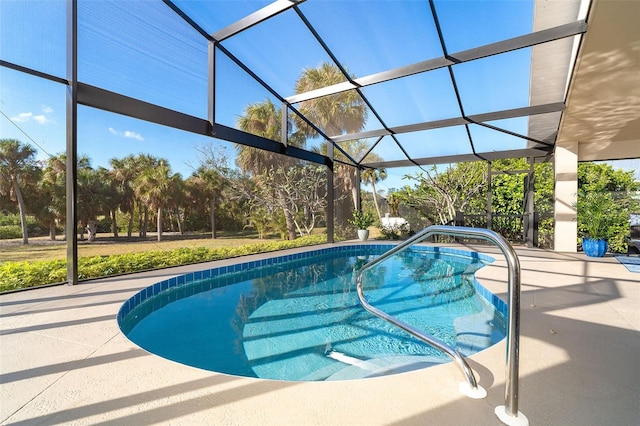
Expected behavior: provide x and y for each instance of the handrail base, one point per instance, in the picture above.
(519, 420)
(474, 393)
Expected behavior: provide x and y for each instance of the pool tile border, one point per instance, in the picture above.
(188, 278)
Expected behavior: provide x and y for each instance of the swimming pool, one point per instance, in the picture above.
(297, 317)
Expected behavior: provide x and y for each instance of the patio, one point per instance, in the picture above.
(64, 360)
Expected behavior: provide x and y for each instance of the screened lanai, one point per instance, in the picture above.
(415, 84)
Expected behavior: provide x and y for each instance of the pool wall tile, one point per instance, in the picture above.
(189, 278)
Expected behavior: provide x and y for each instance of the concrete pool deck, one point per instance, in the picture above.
(63, 360)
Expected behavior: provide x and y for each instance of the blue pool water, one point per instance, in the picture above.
(298, 317)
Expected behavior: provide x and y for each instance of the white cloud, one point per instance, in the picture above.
(25, 117)
(41, 119)
(22, 117)
(126, 134)
(133, 135)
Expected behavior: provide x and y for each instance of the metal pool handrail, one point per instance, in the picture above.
(513, 330)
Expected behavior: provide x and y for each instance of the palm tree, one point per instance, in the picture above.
(373, 176)
(53, 183)
(176, 198)
(264, 119)
(16, 162)
(111, 196)
(142, 163)
(210, 183)
(93, 195)
(124, 171)
(152, 187)
(333, 114)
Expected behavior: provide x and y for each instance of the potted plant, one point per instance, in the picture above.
(594, 220)
(362, 221)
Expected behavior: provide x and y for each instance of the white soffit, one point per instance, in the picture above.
(603, 104)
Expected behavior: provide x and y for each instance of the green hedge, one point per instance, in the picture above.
(17, 275)
(10, 231)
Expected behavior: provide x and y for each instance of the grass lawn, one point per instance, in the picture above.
(42, 248)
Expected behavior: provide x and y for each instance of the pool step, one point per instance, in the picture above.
(476, 332)
(353, 368)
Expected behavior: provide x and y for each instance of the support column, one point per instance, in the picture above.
(330, 196)
(358, 183)
(530, 209)
(71, 225)
(565, 197)
(489, 192)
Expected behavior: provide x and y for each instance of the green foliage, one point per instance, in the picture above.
(10, 227)
(16, 275)
(605, 199)
(10, 231)
(440, 192)
(596, 212)
(361, 220)
(395, 231)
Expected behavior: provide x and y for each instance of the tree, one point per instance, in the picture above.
(333, 114)
(344, 112)
(374, 176)
(111, 196)
(301, 194)
(439, 195)
(152, 187)
(261, 119)
(264, 119)
(614, 190)
(211, 178)
(93, 196)
(210, 183)
(176, 198)
(17, 162)
(53, 184)
(124, 172)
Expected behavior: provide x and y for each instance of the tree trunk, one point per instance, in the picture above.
(354, 196)
(145, 221)
(213, 218)
(130, 225)
(291, 226)
(159, 223)
(179, 222)
(91, 228)
(375, 197)
(114, 225)
(172, 227)
(52, 229)
(22, 208)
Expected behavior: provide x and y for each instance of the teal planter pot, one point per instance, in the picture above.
(594, 248)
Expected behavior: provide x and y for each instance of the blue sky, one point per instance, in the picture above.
(142, 50)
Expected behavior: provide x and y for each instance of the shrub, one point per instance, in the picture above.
(10, 231)
(395, 231)
(16, 275)
(15, 231)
